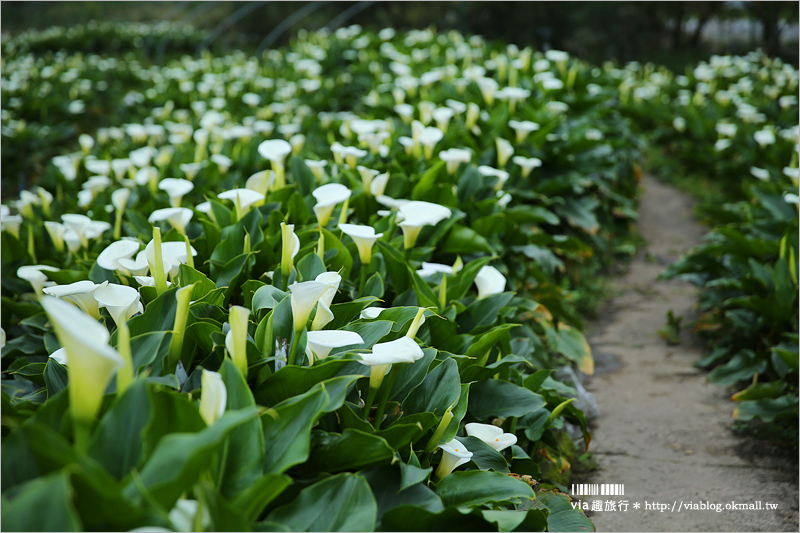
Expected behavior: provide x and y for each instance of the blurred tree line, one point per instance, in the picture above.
(664, 32)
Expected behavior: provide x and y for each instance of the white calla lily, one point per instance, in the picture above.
(121, 301)
(214, 398)
(378, 185)
(320, 343)
(80, 293)
(261, 182)
(522, 128)
(323, 316)
(418, 214)
(304, 297)
(453, 157)
(276, 150)
(60, 356)
(504, 151)
(364, 237)
(491, 435)
(56, 231)
(178, 217)
(332, 280)
(327, 197)
(236, 339)
(501, 175)
(527, 164)
(33, 274)
(454, 455)
(244, 198)
(92, 362)
(175, 188)
(290, 245)
(489, 281)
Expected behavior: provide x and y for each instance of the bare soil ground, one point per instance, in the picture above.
(663, 430)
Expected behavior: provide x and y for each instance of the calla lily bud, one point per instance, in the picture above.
(56, 231)
(92, 362)
(455, 454)
(323, 317)
(236, 340)
(290, 245)
(320, 343)
(364, 237)
(504, 151)
(491, 435)
(419, 319)
(489, 281)
(214, 397)
(379, 182)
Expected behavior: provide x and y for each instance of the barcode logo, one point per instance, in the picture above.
(598, 489)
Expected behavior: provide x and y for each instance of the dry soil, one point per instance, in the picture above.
(663, 430)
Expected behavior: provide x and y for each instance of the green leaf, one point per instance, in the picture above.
(371, 331)
(479, 373)
(495, 398)
(464, 240)
(254, 499)
(374, 286)
(310, 266)
(287, 429)
(478, 487)
(346, 312)
(242, 457)
(202, 285)
(415, 518)
(55, 377)
(293, 381)
(426, 182)
(268, 297)
(342, 262)
(343, 502)
(572, 344)
(385, 482)
(181, 458)
(514, 520)
(408, 430)
(768, 409)
(352, 450)
(562, 516)
(117, 442)
(460, 283)
(411, 475)
(43, 504)
(483, 455)
(425, 295)
(302, 175)
(483, 312)
(440, 390)
(395, 267)
(148, 348)
(579, 212)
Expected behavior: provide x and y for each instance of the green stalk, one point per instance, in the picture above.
(160, 278)
(31, 247)
(189, 258)
(81, 430)
(437, 435)
(443, 293)
(321, 245)
(343, 213)
(293, 350)
(124, 374)
(370, 400)
(118, 225)
(184, 296)
(385, 391)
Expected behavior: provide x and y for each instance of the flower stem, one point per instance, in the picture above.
(124, 374)
(118, 224)
(437, 435)
(293, 350)
(370, 400)
(184, 296)
(82, 430)
(161, 280)
(385, 391)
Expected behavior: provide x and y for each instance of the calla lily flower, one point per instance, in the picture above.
(522, 128)
(491, 435)
(323, 316)
(214, 397)
(501, 175)
(173, 255)
(244, 197)
(33, 275)
(290, 245)
(56, 231)
(236, 339)
(137, 267)
(183, 516)
(60, 356)
(276, 151)
(119, 198)
(453, 157)
(402, 350)
(177, 216)
(97, 166)
(455, 454)
(223, 162)
(489, 281)
(11, 224)
(418, 214)
(327, 197)
(261, 182)
(371, 312)
(379, 182)
(367, 175)
(429, 269)
(92, 362)
(332, 279)
(504, 151)
(364, 237)
(175, 188)
(442, 116)
(304, 297)
(320, 343)
(80, 293)
(121, 301)
(316, 167)
(428, 139)
(79, 224)
(527, 164)
(191, 169)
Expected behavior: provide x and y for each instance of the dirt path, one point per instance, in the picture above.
(663, 430)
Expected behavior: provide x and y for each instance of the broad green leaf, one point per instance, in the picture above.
(415, 518)
(343, 502)
(43, 504)
(514, 520)
(562, 516)
(181, 458)
(254, 499)
(350, 450)
(440, 390)
(572, 344)
(268, 297)
(478, 487)
(385, 482)
(293, 381)
(495, 398)
(464, 240)
(483, 455)
(287, 429)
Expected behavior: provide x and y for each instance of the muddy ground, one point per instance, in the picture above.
(663, 430)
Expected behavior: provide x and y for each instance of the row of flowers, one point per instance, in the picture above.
(731, 125)
(362, 253)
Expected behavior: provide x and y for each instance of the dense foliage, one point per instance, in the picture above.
(361, 254)
(728, 130)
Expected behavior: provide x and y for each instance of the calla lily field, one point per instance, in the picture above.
(329, 288)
